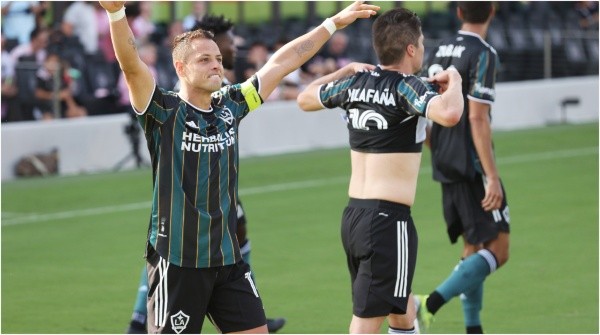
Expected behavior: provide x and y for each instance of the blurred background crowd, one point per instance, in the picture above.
(58, 62)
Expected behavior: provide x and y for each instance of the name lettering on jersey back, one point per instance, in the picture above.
(450, 50)
(371, 96)
(197, 143)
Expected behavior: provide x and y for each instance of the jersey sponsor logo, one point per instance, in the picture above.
(197, 143)
(450, 50)
(478, 88)
(161, 231)
(192, 125)
(360, 119)
(226, 115)
(179, 321)
(372, 96)
(418, 102)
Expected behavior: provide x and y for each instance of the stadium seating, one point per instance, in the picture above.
(520, 33)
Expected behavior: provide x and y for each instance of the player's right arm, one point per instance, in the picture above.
(309, 99)
(137, 75)
(448, 108)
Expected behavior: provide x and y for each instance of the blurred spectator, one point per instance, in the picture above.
(293, 83)
(80, 21)
(104, 39)
(19, 18)
(56, 71)
(142, 25)
(9, 90)
(332, 58)
(148, 55)
(257, 56)
(198, 10)
(35, 50)
(588, 14)
(164, 66)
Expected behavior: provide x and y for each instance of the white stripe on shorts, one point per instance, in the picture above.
(495, 213)
(162, 295)
(402, 266)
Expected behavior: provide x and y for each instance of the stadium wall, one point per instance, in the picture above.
(100, 143)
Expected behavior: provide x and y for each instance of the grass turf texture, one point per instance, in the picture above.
(72, 246)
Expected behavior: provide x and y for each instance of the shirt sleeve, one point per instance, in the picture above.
(241, 98)
(483, 77)
(414, 95)
(160, 106)
(334, 94)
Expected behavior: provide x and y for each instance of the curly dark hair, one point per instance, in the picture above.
(216, 24)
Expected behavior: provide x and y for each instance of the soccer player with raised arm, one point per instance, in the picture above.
(224, 37)
(387, 108)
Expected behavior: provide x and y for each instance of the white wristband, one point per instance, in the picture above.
(329, 25)
(116, 16)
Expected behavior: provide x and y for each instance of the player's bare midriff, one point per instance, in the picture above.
(384, 176)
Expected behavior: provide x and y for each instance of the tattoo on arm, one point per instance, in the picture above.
(131, 42)
(305, 47)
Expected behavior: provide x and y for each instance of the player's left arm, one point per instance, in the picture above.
(481, 95)
(481, 132)
(309, 99)
(297, 52)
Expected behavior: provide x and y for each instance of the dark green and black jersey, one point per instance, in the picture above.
(194, 157)
(454, 157)
(385, 110)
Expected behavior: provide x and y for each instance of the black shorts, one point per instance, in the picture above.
(179, 298)
(465, 216)
(380, 241)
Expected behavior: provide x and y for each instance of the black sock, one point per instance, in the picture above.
(137, 325)
(434, 302)
(474, 330)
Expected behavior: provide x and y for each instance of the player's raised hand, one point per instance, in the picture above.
(112, 6)
(357, 10)
(444, 78)
(355, 67)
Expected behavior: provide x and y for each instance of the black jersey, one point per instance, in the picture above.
(385, 110)
(195, 174)
(454, 157)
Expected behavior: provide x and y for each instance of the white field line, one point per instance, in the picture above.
(32, 218)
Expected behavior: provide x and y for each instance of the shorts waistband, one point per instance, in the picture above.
(376, 203)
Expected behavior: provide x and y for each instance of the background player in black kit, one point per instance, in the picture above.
(463, 161)
(386, 108)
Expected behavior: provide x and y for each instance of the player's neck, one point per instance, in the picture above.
(199, 98)
(476, 28)
(402, 67)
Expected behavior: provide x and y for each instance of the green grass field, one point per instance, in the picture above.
(72, 246)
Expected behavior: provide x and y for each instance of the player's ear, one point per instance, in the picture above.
(411, 50)
(178, 67)
(459, 13)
